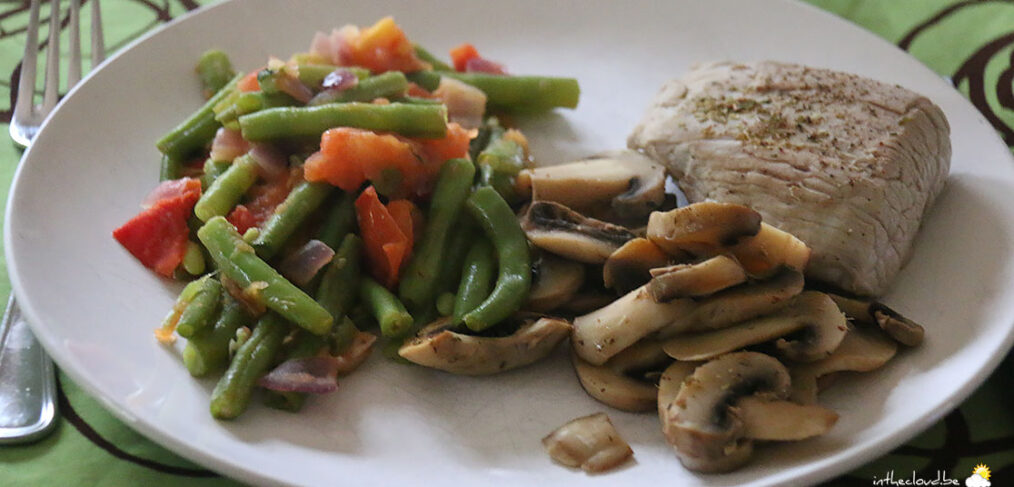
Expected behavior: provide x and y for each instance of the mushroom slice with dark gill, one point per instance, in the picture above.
(695, 280)
(556, 282)
(875, 313)
(555, 228)
(771, 249)
(808, 310)
(629, 183)
(762, 419)
(438, 346)
(825, 327)
(702, 228)
(590, 442)
(624, 382)
(629, 267)
(862, 350)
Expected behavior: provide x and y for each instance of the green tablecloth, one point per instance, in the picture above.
(972, 42)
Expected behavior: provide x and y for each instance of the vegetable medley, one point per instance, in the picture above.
(361, 185)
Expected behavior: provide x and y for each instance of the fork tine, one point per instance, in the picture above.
(52, 83)
(98, 43)
(74, 65)
(24, 105)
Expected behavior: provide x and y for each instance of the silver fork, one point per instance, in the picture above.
(27, 381)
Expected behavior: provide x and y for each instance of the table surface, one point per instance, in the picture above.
(970, 42)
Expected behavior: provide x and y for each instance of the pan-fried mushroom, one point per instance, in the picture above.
(623, 382)
(862, 350)
(565, 232)
(762, 419)
(769, 250)
(695, 280)
(700, 422)
(806, 310)
(556, 281)
(739, 303)
(590, 442)
(439, 347)
(702, 228)
(586, 301)
(603, 333)
(875, 313)
(825, 327)
(628, 182)
(630, 266)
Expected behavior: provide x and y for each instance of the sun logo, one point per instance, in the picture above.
(980, 477)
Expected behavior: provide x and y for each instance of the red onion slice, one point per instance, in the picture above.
(291, 85)
(340, 79)
(312, 375)
(301, 265)
(228, 145)
(480, 65)
(272, 163)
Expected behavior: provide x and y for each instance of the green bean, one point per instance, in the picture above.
(476, 278)
(511, 93)
(292, 212)
(212, 170)
(172, 168)
(445, 304)
(171, 319)
(394, 319)
(339, 221)
(193, 259)
(386, 85)
(514, 280)
(340, 339)
(452, 188)
(202, 309)
(339, 286)
(215, 71)
(361, 317)
(226, 190)
(196, 131)
(458, 244)
(229, 110)
(237, 260)
(437, 64)
(208, 350)
(253, 359)
(499, 164)
(402, 118)
(415, 100)
(303, 345)
(481, 139)
(312, 75)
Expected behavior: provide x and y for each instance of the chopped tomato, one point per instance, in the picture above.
(249, 82)
(158, 235)
(350, 156)
(386, 245)
(418, 91)
(382, 47)
(408, 217)
(461, 54)
(453, 145)
(264, 198)
(242, 218)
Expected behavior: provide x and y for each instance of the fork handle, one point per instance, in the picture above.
(27, 382)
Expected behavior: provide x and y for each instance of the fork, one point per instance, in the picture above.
(27, 380)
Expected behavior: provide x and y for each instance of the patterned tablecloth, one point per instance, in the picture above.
(971, 42)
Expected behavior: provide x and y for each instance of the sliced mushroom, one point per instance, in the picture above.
(622, 381)
(630, 183)
(769, 250)
(439, 347)
(825, 328)
(702, 228)
(590, 442)
(701, 424)
(695, 280)
(739, 303)
(875, 313)
(862, 350)
(630, 266)
(599, 335)
(586, 301)
(565, 232)
(556, 281)
(762, 419)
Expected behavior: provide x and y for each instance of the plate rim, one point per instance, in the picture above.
(821, 470)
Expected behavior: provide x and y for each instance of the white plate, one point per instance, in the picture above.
(94, 307)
